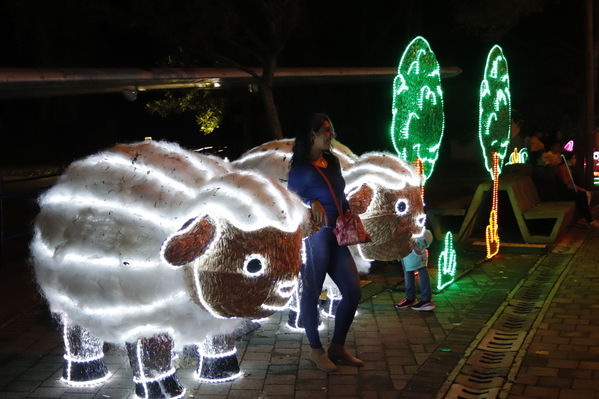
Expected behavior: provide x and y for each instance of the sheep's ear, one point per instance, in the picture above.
(360, 199)
(190, 242)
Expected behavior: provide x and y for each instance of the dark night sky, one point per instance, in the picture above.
(544, 51)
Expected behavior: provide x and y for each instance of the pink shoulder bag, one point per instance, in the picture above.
(349, 229)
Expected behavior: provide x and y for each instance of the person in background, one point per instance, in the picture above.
(553, 156)
(517, 140)
(417, 261)
(312, 149)
(535, 145)
(569, 191)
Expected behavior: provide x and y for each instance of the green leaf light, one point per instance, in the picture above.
(447, 263)
(495, 109)
(418, 119)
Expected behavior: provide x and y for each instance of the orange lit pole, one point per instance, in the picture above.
(491, 236)
(419, 166)
(494, 124)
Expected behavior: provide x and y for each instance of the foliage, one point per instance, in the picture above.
(207, 107)
(492, 19)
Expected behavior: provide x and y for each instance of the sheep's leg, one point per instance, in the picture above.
(332, 301)
(154, 376)
(84, 357)
(294, 321)
(218, 359)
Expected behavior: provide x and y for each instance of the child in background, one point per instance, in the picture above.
(417, 261)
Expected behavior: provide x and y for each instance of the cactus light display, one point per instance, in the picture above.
(447, 263)
(494, 123)
(418, 118)
(144, 245)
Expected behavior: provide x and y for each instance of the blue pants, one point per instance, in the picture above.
(425, 284)
(323, 256)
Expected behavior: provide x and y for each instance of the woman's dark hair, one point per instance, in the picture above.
(304, 140)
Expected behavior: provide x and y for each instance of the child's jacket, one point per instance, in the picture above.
(418, 258)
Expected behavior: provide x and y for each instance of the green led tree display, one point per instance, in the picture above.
(495, 109)
(418, 118)
(494, 123)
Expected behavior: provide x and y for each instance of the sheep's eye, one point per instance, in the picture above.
(402, 207)
(254, 265)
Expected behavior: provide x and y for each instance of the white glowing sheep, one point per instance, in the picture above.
(375, 184)
(380, 187)
(158, 247)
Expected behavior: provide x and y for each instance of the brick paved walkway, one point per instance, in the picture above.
(563, 358)
(408, 354)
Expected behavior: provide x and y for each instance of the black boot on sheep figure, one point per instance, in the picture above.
(218, 359)
(154, 376)
(84, 357)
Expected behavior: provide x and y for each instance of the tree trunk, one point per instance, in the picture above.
(272, 116)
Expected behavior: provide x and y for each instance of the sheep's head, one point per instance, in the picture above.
(385, 192)
(244, 254)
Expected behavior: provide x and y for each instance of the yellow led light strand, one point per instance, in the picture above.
(514, 157)
(491, 236)
(518, 156)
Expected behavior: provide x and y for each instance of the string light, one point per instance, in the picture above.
(518, 156)
(569, 146)
(93, 255)
(447, 263)
(85, 367)
(495, 109)
(494, 124)
(218, 360)
(491, 235)
(418, 119)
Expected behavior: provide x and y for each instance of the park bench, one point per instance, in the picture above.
(447, 213)
(526, 207)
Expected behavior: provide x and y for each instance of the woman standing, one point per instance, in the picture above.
(323, 254)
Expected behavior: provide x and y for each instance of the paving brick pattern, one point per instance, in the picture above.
(563, 359)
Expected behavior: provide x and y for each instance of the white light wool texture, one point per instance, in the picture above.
(382, 181)
(273, 158)
(386, 174)
(97, 240)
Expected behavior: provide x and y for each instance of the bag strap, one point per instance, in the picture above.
(330, 189)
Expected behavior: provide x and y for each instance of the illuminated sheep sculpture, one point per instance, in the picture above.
(380, 187)
(156, 247)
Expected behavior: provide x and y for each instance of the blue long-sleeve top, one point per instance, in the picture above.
(306, 182)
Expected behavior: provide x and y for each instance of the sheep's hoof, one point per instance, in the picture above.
(168, 387)
(218, 369)
(85, 373)
(329, 308)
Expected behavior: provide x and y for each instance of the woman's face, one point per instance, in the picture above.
(323, 137)
(572, 161)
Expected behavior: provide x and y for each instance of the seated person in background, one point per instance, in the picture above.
(516, 139)
(569, 191)
(553, 156)
(535, 145)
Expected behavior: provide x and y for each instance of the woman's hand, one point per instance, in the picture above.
(318, 213)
